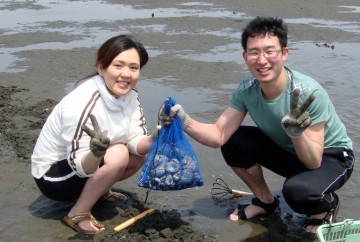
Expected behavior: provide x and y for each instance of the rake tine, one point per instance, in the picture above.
(220, 188)
(221, 194)
(216, 192)
(224, 185)
(220, 185)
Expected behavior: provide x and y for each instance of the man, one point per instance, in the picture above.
(298, 134)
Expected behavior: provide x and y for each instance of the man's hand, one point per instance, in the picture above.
(99, 142)
(298, 119)
(178, 110)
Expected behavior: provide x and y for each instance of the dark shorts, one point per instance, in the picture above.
(61, 183)
(304, 190)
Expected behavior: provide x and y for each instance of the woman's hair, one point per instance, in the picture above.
(263, 26)
(112, 48)
(115, 45)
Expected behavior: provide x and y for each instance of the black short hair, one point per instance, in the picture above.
(263, 26)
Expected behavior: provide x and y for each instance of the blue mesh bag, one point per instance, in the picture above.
(171, 163)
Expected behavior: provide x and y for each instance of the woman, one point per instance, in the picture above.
(103, 111)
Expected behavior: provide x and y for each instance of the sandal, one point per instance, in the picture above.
(112, 196)
(269, 208)
(330, 217)
(73, 222)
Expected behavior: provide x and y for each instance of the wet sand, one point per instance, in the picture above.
(182, 64)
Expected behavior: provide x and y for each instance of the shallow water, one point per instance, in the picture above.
(336, 69)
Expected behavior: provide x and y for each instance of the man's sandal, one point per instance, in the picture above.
(73, 222)
(330, 217)
(269, 208)
(112, 196)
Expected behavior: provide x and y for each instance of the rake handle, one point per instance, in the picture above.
(240, 193)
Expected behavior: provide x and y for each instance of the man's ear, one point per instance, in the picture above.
(285, 53)
(244, 56)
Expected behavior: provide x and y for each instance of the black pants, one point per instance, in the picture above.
(306, 191)
(61, 183)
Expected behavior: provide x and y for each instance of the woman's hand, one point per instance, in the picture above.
(99, 142)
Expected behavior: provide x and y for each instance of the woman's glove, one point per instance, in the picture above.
(178, 110)
(297, 120)
(99, 142)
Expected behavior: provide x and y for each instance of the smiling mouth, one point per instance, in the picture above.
(264, 69)
(123, 84)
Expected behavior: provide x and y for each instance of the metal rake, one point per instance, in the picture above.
(221, 189)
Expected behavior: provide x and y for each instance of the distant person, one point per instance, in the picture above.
(298, 134)
(96, 136)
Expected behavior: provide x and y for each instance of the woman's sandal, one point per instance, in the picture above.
(330, 217)
(112, 196)
(269, 208)
(73, 222)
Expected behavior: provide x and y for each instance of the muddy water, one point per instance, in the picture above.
(196, 58)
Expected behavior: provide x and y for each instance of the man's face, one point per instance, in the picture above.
(265, 57)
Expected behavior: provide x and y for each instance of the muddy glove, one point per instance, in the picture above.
(178, 110)
(297, 120)
(99, 142)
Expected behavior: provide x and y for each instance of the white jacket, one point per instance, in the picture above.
(62, 138)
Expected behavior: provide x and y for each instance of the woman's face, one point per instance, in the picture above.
(123, 73)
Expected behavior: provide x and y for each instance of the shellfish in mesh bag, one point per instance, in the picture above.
(171, 163)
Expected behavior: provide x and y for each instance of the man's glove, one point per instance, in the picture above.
(99, 142)
(178, 110)
(297, 120)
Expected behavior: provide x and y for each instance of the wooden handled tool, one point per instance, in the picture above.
(133, 220)
(240, 193)
(221, 189)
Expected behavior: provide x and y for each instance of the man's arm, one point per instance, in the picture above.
(216, 134)
(310, 146)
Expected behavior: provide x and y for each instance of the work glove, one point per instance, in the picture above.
(177, 109)
(297, 119)
(99, 142)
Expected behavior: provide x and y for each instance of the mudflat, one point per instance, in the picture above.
(44, 62)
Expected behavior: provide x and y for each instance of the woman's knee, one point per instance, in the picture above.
(117, 156)
(136, 161)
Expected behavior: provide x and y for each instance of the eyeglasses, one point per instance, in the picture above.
(269, 54)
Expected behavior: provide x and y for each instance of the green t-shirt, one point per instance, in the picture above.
(267, 114)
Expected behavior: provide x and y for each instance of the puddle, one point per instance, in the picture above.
(223, 53)
(350, 9)
(45, 12)
(353, 27)
(26, 19)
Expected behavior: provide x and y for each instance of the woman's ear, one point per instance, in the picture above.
(99, 69)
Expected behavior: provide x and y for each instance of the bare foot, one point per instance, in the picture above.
(84, 223)
(112, 196)
(313, 228)
(326, 217)
(89, 226)
(250, 212)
